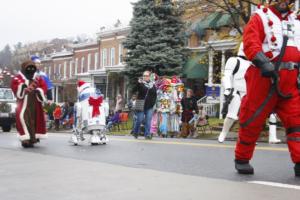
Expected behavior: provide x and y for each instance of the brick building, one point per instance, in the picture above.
(97, 62)
(108, 77)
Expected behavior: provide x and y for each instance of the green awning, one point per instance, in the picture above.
(223, 21)
(214, 20)
(196, 67)
(209, 22)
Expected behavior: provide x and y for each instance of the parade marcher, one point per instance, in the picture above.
(30, 91)
(90, 115)
(146, 92)
(44, 76)
(234, 89)
(272, 42)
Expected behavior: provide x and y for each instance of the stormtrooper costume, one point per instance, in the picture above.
(233, 79)
(235, 70)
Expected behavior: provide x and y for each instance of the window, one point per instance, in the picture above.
(49, 72)
(112, 56)
(70, 70)
(65, 69)
(89, 61)
(82, 65)
(96, 61)
(120, 53)
(6, 94)
(104, 57)
(54, 69)
(76, 65)
(59, 71)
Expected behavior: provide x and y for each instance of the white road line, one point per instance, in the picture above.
(274, 184)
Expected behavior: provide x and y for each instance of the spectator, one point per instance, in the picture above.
(132, 101)
(198, 119)
(57, 115)
(119, 103)
(131, 106)
(113, 120)
(146, 92)
(189, 105)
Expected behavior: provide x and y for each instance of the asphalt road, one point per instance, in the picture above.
(203, 161)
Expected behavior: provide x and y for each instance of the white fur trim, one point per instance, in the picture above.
(26, 80)
(44, 99)
(277, 30)
(41, 136)
(24, 137)
(19, 90)
(26, 133)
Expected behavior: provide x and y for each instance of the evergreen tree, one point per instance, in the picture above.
(5, 56)
(156, 40)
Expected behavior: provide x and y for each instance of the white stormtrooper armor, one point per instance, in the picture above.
(234, 79)
(272, 129)
(234, 73)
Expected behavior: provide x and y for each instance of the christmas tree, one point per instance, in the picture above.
(156, 41)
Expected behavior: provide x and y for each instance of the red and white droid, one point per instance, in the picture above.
(90, 115)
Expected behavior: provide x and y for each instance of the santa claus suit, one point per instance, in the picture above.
(263, 35)
(30, 118)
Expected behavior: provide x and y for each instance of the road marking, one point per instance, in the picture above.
(282, 149)
(197, 144)
(274, 184)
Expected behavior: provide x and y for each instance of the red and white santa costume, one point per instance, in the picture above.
(18, 83)
(264, 32)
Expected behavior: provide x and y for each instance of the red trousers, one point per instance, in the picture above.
(288, 111)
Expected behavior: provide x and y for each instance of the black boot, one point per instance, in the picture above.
(297, 169)
(243, 167)
(26, 144)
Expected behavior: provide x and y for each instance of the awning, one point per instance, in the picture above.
(196, 67)
(223, 21)
(214, 20)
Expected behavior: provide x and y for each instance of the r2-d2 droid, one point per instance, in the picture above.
(90, 115)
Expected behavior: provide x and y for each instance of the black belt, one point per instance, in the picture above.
(288, 65)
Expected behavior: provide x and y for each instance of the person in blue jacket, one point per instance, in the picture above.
(49, 83)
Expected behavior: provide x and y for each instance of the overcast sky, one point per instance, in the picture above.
(32, 20)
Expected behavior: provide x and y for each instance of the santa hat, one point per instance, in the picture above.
(82, 85)
(35, 59)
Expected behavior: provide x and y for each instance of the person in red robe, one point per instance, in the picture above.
(30, 91)
(272, 42)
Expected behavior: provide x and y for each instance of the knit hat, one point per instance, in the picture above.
(27, 64)
(35, 59)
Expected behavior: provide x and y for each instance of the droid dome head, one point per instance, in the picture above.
(82, 85)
